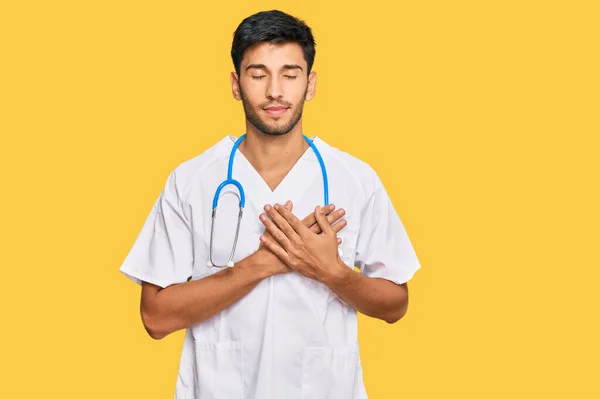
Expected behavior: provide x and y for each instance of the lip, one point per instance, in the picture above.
(276, 110)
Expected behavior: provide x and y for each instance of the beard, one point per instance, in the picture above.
(272, 129)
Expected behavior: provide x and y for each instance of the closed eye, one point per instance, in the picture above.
(286, 76)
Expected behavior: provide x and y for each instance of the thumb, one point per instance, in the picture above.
(323, 222)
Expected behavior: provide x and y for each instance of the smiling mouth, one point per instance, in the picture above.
(276, 110)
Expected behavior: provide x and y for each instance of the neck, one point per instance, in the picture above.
(270, 153)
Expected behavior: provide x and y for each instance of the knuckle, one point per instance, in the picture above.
(279, 236)
(286, 232)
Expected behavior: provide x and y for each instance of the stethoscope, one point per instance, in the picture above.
(242, 198)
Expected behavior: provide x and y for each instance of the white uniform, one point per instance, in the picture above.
(290, 337)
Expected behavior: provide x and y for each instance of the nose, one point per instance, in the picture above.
(274, 88)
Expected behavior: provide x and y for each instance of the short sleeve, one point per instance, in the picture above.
(163, 252)
(384, 249)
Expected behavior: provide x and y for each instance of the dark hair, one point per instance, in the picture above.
(274, 27)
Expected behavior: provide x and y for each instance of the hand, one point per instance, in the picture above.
(268, 257)
(312, 254)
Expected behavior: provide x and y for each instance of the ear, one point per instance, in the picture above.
(311, 89)
(235, 86)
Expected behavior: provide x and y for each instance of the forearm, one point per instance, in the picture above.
(374, 297)
(180, 306)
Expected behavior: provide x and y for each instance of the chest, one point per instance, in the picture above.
(274, 178)
(303, 185)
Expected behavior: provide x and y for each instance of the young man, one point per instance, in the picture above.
(282, 322)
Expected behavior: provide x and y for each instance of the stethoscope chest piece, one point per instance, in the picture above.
(241, 197)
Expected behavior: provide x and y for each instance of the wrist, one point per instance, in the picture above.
(338, 275)
(254, 265)
(262, 262)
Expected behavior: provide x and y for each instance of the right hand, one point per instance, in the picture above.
(269, 258)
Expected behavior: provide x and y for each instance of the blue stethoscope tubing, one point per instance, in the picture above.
(242, 197)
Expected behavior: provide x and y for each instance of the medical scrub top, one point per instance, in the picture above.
(291, 337)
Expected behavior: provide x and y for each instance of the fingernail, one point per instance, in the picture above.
(267, 207)
(276, 206)
(319, 209)
(262, 217)
(342, 212)
(263, 238)
(287, 204)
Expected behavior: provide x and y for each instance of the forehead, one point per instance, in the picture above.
(273, 56)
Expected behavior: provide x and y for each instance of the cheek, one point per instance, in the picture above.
(253, 93)
(295, 98)
(297, 91)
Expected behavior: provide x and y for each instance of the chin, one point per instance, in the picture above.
(274, 130)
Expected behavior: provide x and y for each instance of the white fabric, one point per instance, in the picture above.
(290, 337)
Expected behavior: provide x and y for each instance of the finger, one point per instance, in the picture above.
(299, 228)
(331, 218)
(275, 248)
(276, 233)
(310, 220)
(322, 220)
(281, 223)
(339, 240)
(288, 205)
(338, 226)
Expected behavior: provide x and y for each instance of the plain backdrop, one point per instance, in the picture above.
(481, 118)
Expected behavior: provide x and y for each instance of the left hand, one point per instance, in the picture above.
(313, 255)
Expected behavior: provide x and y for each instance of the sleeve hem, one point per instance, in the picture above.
(139, 277)
(397, 279)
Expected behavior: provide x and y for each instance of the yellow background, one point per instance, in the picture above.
(482, 119)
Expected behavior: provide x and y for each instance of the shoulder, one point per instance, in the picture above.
(187, 171)
(363, 174)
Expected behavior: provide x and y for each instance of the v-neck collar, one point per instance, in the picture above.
(292, 177)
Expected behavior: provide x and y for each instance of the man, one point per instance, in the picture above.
(282, 322)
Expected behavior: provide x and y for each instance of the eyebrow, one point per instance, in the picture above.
(263, 66)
